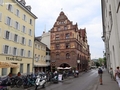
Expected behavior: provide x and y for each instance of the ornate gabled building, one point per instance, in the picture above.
(69, 47)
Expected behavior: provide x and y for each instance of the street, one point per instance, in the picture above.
(86, 81)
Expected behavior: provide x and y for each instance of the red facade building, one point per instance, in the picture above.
(69, 46)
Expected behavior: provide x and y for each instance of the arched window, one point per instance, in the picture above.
(57, 55)
(67, 55)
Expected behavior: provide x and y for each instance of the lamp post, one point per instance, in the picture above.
(78, 61)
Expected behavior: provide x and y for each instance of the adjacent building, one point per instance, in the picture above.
(40, 64)
(111, 31)
(68, 45)
(17, 27)
(45, 38)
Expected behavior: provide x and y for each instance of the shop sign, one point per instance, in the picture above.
(14, 58)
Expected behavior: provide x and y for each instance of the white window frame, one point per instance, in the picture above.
(1, 2)
(23, 40)
(7, 36)
(9, 21)
(10, 7)
(23, 29)
(4, 71)
(29, 53)
(15, 52)
(22, 52)
(24, 17)
(0, 16)
(30, 21)
(6, 47)
(17, 12)
(16, 38)
(30, 32)
(29, 43)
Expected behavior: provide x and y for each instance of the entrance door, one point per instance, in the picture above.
(13, 71)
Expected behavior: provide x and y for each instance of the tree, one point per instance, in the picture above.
(97, 64)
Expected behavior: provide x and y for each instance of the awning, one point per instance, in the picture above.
(7, 65)
(60, 68)
(63, 68)
(41, 64)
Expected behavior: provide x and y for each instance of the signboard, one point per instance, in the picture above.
(60, 77)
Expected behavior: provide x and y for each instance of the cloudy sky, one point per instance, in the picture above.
(86, 13)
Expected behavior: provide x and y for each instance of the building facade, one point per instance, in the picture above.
(17, 27)
(40, 64)
(111, 31)
(69, 47)
(45, 38)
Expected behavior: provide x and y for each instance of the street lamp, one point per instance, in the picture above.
(78, 61)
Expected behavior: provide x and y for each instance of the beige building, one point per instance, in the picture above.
(40, 63)
(17, 27)
(111, 32)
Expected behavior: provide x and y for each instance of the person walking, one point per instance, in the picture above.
(117, 75)
(111, 73)
(100, 72)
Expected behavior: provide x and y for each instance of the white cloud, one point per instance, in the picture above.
(86, 13)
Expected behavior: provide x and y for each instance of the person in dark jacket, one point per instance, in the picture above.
(100, 72)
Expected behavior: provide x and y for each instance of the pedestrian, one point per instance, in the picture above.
(111, 73)
(117, 77)
(100, 72)
(19, 74)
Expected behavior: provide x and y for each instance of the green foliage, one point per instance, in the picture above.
(97, 64)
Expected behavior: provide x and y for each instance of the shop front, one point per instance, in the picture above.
(40, 67)
(14, 64)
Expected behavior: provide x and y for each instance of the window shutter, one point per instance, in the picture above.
(12, 9)
(31, 33)
(18, 39)
(6, 19)
(9, 50)
(25, 42)
(24, 53)
(0, 16)
(21, 28)
(25, 29)
(3, 47)
(15, 11)
(31, 54)
(4, 34)
(31, 43)
(11, 22)
(26, 19)
(7, 6)
(1, 2)
(12, 37)
(15, 24)
(17, 52)
(18, 26)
